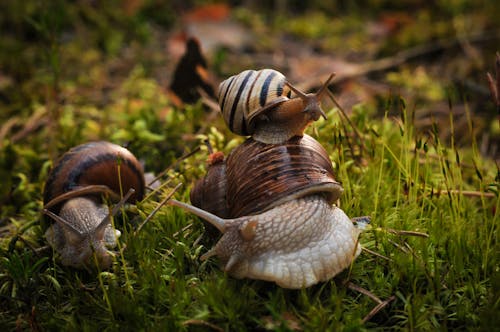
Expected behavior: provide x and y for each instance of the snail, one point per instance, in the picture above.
(258, 103)
(280, 224)
(73, 200)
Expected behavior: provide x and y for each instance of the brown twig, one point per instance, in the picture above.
(363, 291)
(380, 304)
(379, 307)
(357, 70)
(34, 122)
(494, 85)
(400, 247)
(407, 233)
(371, 252)
(466, 193)
(6, 127)
(151, 215)
(214, 110)
(343, 112)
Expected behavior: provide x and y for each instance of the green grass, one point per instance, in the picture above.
(448, 280)
(434, 204)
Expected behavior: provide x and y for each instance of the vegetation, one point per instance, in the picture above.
(71, 72)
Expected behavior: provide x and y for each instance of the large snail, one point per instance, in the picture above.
(282, 225)
(73, 200)
(258, 103)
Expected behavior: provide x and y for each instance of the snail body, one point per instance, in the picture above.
(73, 200)
(258, 103)
(296, 244)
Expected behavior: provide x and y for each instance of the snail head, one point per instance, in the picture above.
(312, 101)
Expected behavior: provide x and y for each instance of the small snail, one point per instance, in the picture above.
(73, 199)
(258, 103)
(283, 227)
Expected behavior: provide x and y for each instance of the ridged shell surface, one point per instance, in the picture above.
(95, 163)
(248, 92)
(261, 176)
(209, 192)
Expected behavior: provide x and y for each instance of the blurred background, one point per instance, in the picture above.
(61, 58)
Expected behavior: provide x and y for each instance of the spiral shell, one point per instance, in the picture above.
(209, 192)
(250, 92)
(258, 177)
(261, 176)
(95, 163)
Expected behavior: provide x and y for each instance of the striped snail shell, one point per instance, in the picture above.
(258, 103)
(73, 200)
(250, 92)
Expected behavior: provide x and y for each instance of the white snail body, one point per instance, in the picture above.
(296, 244)
(77, 245)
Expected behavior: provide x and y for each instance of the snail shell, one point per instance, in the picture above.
(209, 192)
(72, 198)
(248, 93)
(257, 177)
(95, 163)
(261, 176)
(258, 103)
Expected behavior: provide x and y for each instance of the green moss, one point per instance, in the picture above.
(405, 179)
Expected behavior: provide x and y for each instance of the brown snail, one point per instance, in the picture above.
(73, 200)
(282, 225)
(258, 103)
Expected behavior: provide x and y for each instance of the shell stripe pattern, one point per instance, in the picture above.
(92, 164)
(236, 101)
(274, 174)
(249, 92)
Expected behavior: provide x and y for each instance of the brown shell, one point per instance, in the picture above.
(209, 192)
(95, 163)
(261, 176)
